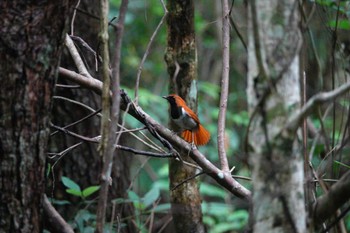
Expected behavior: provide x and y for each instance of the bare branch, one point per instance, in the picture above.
(97, 139)
(90, 83)
(161, 133)
(329, 203)
(314, 101)
(147, 153)
(224, 85)
(73, 18)
(53, 219)
(76, 57)
(235, 27)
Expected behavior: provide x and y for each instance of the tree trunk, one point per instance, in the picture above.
(30, 48)
(273, 94)
(181, 53)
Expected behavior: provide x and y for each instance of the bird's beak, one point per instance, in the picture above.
(165, 97)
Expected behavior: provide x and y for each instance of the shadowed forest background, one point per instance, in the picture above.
(283, 102)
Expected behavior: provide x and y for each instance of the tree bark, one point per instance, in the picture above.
(182, 69)
(273, 92)
(30, 48)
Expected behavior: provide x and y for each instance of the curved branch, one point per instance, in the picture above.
(329, 203)
(314, 101)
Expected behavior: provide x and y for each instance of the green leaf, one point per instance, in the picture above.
(162, 208)
(341, 24)
(133, 196)
(239, 218)
(90, 190)
(208, 220)
(222, 227)
(70, 184)
(74, 192)
(342, 164)
(60, 202)
(136, 200)
(151, 196)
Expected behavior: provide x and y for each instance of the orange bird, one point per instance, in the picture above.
(187, 120)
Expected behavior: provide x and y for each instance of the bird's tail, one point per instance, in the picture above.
(199, 137)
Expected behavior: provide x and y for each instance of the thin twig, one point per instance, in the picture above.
(62, 153)
(109, 124)
(67, 86)
(187, 179)
(147, 52)
(93, 113)
(314, 101)
(97, 139)
(73, 18)
(235, 27)
(87, 46)
(224, 86)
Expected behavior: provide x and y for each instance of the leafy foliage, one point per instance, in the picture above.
(75, 190)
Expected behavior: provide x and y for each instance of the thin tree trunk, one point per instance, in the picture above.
(30, 48)
(83, 165)
(273, 94)
(182, 68)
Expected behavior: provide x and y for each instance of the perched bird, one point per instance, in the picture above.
(192, 130)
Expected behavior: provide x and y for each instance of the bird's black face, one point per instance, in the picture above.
(170, 99)
(175, 111)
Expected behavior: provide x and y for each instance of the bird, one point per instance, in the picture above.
(191, 128)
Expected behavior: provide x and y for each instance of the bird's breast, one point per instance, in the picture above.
(185, 121)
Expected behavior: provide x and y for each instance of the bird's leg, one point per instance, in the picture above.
(192, 144)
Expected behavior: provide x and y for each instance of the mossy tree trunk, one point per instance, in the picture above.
(273, 94)
(31, 39)
(182, 69)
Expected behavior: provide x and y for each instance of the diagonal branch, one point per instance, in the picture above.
(53, 219)
(329, 203)
(168, 138)
(76, 57)
(314, 101)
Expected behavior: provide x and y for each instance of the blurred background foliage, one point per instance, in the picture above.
(149, 191)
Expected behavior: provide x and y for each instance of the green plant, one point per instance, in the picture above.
(75, 190)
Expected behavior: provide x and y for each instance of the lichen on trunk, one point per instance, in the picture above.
(273, 92)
